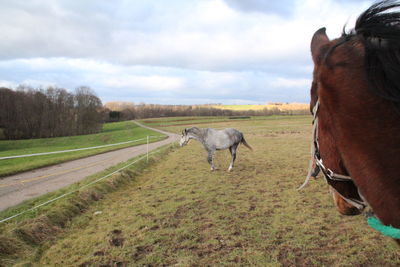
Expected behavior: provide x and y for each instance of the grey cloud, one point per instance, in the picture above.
(354, 1)
(47, 29)
(200, 87)
(134, 33)
(84, 29)
(281, 8)
(182, 38)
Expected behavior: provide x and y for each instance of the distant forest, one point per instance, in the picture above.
(52, 112)
(28, 112)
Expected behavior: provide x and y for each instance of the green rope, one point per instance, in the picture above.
(384, 229)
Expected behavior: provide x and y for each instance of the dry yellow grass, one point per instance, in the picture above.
(119, 106)
(178, 213)
(279, 106)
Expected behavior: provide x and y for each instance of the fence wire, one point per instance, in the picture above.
(76, 190)
(77, 149)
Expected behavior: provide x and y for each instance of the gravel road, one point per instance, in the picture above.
(17, 188)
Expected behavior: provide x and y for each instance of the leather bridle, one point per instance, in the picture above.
(330, 176)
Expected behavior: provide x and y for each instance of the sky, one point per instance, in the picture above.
(169, 52)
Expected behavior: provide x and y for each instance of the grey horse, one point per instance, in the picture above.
(213, 140)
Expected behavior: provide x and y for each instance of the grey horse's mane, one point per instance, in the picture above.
(196, 131)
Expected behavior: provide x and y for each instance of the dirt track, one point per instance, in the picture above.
(17, 188)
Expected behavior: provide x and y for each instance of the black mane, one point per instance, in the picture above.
(379, 29)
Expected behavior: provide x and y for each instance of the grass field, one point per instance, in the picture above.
(179, 122)
(179, 213)
(176, 121)
(111, 133)
(23, 238)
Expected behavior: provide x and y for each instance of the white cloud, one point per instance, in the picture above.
(281, 8)
(8, 84)
(199, 50)
(38, 83)
(205, 35)
(290, 83)
(151, 83)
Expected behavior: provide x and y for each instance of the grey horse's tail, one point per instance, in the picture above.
(246, 144)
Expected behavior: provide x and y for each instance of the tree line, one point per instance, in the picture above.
(28, 112)
(129, 111)
(37, 113)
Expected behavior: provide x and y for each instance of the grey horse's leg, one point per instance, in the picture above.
(210, 159)
(232, 149)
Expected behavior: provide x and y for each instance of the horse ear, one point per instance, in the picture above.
(318, 41)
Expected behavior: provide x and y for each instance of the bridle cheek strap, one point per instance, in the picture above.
(314, 144)
(330, 176)
(328, 173)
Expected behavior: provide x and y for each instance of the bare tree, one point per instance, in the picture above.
(87, 105)
(50, 112)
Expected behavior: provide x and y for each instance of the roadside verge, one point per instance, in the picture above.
(24, 186)
(18, 156)
(23, 236)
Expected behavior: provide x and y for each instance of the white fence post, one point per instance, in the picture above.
(147, 160)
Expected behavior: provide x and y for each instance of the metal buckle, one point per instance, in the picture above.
(330, 173)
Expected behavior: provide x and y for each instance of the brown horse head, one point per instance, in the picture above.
(320, 45)
(356, 80)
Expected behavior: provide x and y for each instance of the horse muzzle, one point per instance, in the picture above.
(183, 143)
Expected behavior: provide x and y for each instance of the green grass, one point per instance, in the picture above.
(177, 212)
(111, 133)
(177, 123)
(164, 122)
(22, 239)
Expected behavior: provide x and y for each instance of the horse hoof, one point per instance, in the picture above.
(229, 170)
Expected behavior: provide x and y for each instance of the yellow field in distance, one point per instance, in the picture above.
(279, 106)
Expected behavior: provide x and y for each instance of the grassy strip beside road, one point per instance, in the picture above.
(111, 133)
(24, 238)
